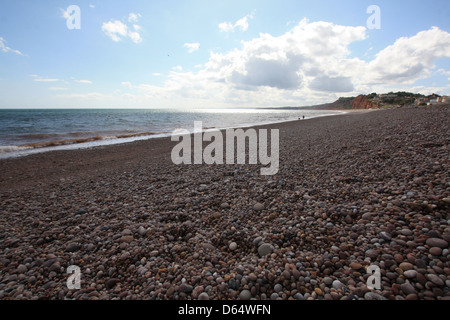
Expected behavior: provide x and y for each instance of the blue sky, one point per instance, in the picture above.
(189, 54)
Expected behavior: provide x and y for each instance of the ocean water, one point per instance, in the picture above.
(24, 132)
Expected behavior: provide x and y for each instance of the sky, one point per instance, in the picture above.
(218, 54)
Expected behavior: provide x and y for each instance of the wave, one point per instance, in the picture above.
(64, 142)
(5, 149)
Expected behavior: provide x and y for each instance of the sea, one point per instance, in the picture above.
(27, 131)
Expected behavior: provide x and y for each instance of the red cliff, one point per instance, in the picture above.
(361, 102)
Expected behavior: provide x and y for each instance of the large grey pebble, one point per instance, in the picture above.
(337, 285)
(265, 249)
(245, 295)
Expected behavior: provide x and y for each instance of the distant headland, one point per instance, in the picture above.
(379, 101)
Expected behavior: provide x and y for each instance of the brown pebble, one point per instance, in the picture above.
(355, 265)
(126, 239)
(398, 258)
(435, 251)
(406, 266)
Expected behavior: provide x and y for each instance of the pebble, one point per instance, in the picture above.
(22, 269)
(398, 258)
(142, 231)
(126, 239)
(348, 219)
(245, 295)
(435, 279)
(367, 216)
(203, 296)
(257, 241)
(318, 291)
(407, 288)
(373, 296)
(208, 246)
(299, 296)
(409, 274)
(406, 266)
(265, 249)
(73, 247)
(125, 256)
(436, 242)
(186, 288)
(327, 281)
(258, 207)
(337, 285)
(224, 205)
(111, 283)
(355, 265)
(233, 246)
(80, 212)
(385, 236)
(371, 253)
(436, 251)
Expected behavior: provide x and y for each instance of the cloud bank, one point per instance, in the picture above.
(309, 64)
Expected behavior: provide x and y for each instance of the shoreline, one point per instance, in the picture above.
(23, 150)
(352, 190)
(68, 159)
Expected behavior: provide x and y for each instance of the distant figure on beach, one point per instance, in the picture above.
(303, 117)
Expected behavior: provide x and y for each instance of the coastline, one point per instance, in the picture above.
(92, 141)
(352, 190)
(36, 165)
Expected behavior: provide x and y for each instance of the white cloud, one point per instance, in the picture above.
(410, 59)
(443, 72)
(133, 17)
(5, 48)
(332, 84)
(90, 95)
(135, 37)
(91, 6)
(118, 30)
(192, 47)
(57, 88)
(242, 24)
(46, 80)
(309, 64)
(84, 81)
(301, 58)
(115, 30)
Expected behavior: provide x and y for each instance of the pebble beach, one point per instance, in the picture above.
(352, 190)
